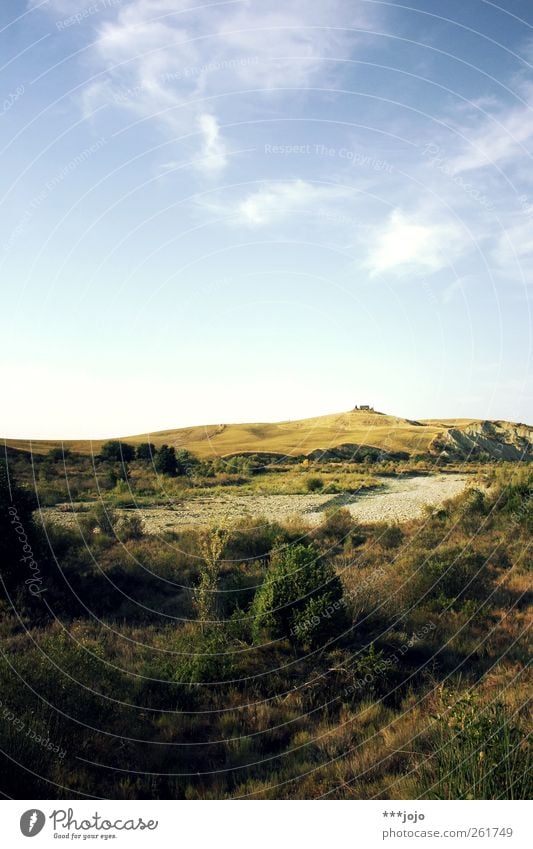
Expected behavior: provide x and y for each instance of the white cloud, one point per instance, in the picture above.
(409, 243)
(213, 156)
(160, 58)
(276, 200)
(504, 135)
(513, 251)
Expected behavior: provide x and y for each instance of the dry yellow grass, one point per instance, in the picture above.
(289, 437)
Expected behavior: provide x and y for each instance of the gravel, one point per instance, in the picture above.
(398, 500)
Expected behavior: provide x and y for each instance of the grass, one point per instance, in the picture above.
(292, 438)
(424, 694)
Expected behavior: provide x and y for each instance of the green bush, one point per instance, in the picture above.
(146, 451)
(165, 461)
(517, 501)
(481, 752)
(19, 538)
(131, 527)
(117, 451)
(59, 454)
(448, 575)
(336, 527)
(186, 462)
(238, 465)
(301, 598)
(391, 537)
(102, 519)
(314, 484)
(205, 657)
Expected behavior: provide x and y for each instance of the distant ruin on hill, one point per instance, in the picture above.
(364, 407)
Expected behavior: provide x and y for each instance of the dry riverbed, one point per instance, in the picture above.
(398, 500)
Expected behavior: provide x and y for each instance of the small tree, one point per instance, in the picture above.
(146, 451)
(117, 451)
(186, 462)
(212, 544)
(165, 461)
(57, 454)
(102, 519)
(18, 536)
(301, 598)
(314, 484)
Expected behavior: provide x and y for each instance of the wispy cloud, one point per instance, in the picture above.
(409, 243)
(512, 253)
(275, 200)
(160, 59)
(213, 156)
(505, 134)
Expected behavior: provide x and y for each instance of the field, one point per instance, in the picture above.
(295, 438)
(319, 651)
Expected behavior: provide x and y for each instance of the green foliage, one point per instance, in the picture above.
(369, 672)
(117, 451)
(301, 597)
(59, 454)
(391, 537)
(336, 529)
(146, 451)
(131, 527)
(481, 752)
(451, 575)
(476, 503)
(186, 462)
(206, 657)
(123, 654)
(454, 573)
(517, 501)
(102, 519)
(212, 544)
(18, 535)
(238, 466)
(314, 483)
(165, 461)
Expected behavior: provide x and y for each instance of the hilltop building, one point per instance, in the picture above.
(364, 407)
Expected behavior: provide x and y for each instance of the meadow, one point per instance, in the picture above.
(257, 659)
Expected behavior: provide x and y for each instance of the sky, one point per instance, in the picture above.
(259, 211)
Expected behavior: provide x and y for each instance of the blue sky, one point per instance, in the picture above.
(246, 211)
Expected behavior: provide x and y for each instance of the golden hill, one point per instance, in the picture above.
(459, 438)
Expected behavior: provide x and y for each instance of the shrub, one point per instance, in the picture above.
(370, 672)
(18, 534)
(204, 657)
(314, 484)
(481, 753)
(475, 503)
(447, 575)
(57, 454)
(212, 543)
(117, 451)
(186, 462)
(131, 527)
(518, 502)
(332, 489)
(301, 597)
(391, 537)
(165, 461)
(337, 526)
(101, 519)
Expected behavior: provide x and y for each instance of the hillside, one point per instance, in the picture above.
(453, 438)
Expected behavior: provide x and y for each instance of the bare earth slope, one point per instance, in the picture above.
(456, 438)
